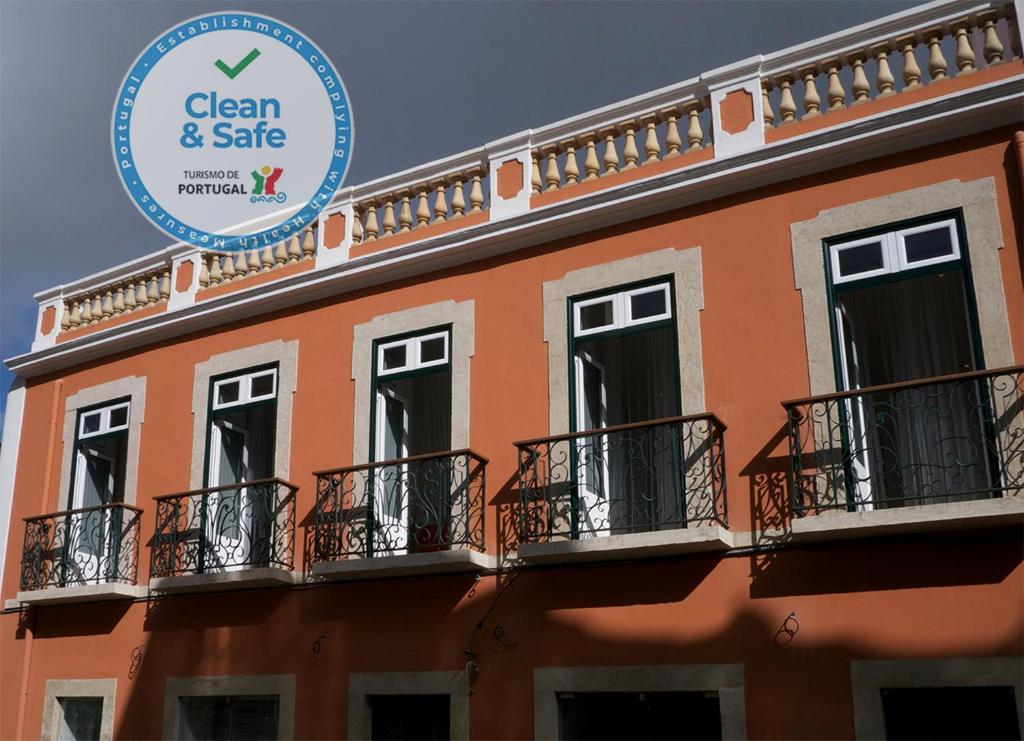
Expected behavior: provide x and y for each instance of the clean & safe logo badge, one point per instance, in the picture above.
(211, 116)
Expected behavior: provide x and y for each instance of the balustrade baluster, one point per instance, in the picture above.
(254, 261)
(129, 293)
(534, 173)
(423, 206)
(861, 87)
(458, 197)
(476, 192)
(766, 106)
(118, 299)
(611, 154)
(404, 212)
(308, 243)
(812, 101)
(440, 199)
(993, 48)
(165, 284)
(936, 61)
(836, 93)
(357, 225)
(389, 216)
(911, 70)
(590, 164)
(629, 151)
(266, 259)
(652, 148)
(204, 279)
(694, 134)
(65, 318)
(787, 105)
(294, 251)
(884, 81)
(107, 307)
(965, 58)
(241, 265)
(372, 230)
(153, 291)
(551, 175)
(141, 293)
(280, 254)
(572, 167)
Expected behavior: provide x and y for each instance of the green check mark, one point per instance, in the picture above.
(233, 72)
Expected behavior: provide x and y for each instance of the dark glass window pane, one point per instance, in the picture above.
(410, 717)
(227, 393)
(90, 423)
(394, 357)
(950, 713)
(228, 718)
(431, 350)
(639, 715)
(597, 315)
(928, 245)
(643, 305)
(262, 386)
(119, 417)
(80, 718)
(855, 260)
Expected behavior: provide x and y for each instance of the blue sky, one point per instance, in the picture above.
(426, 79)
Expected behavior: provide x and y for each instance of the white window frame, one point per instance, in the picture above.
(245, 382)
(413, 351)
(894, 251)
(949, 224)
(622, 309)
(105, 426)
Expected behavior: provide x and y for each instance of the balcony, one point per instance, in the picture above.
(938, 453)
(81, 555)
(225, 537)
(421, 514)
(636, 490)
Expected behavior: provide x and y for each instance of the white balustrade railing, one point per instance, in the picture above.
(902, 52)
(218, 268)
(928, 44)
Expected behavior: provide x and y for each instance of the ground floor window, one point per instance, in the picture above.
(408, 717)
(639, 715)
(81, 718)
(229, 717)
(950, 713)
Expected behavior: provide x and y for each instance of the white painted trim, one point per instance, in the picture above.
(750, 138)
(911, 127)
(11, 443)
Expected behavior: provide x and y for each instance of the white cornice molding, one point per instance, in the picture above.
(910, 127)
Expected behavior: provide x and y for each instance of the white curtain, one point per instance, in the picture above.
(927, 442)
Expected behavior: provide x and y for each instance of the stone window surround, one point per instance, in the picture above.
(867, 678)
(727, 679)
(282, 685)
(286, 355)
(133, 387)
(362, 686)
(683, 265)
(461, 318)
(976, 199)
(57, 689)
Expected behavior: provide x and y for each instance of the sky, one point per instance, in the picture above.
(425, 79)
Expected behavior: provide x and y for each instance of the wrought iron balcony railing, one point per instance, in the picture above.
(225, 528)
(947, 439)
(423, 503)
(94, 545)
(658, 475)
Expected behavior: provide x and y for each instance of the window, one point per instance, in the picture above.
(950, 713)
(895, 251)
(412, 417)
(904, 311)
(97, 480)
(410, 717)
(242, 717)
(240, 448)
(401, 356)
(81, 718)
(621, 310)
(639, 715)
(625, 371)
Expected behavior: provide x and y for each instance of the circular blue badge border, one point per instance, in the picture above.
(121, 137)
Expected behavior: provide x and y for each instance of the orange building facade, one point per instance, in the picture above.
(699, 415)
